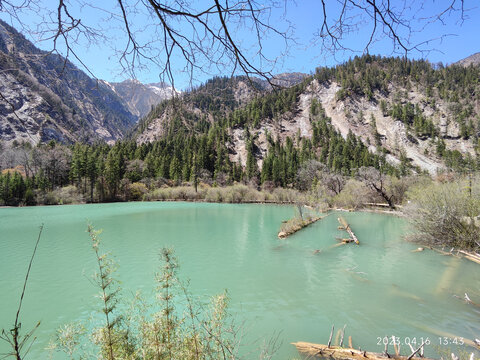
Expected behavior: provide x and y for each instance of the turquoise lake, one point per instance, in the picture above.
(277, 288)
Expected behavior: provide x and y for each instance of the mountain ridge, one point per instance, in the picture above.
(46, 97)
(140, 97)
(411, 113)
(473, 59)
(52, 99)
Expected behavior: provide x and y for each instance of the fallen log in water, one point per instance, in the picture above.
(464, 254)
(343, 240)
(466, 341)
(345, 226)
(294, 225)
(448, 276)
(340, 353)
(397, 292)
(440, 251)
(474, 259)
(357, 275)
(467, 299)
(471, 256)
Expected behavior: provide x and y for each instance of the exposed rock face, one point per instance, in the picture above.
(227, 93)
(282, 80)
(356, 114)
(289, 79)
(141, 98)
(44, 97)
(470, 60)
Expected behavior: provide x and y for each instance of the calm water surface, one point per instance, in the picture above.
(278, 287)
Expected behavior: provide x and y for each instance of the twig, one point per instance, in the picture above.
(412, 354)
(343, 333)
(14, 339)
(331, 334)
(28, 273)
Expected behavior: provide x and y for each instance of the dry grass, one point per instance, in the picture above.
(237, 193)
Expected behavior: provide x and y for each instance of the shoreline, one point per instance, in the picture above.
(259, 202)
(369, 209)
(248, 202)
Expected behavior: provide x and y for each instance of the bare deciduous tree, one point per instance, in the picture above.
(314, 171)
(203, 35)
(377, 181)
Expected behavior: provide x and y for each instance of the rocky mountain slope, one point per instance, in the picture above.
(205, 104)
(44, 97)
(141, 98)
(470, 60)
(409, 112)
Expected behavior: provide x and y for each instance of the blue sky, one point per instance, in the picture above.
(302, 18)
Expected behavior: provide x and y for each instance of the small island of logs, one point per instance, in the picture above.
(293, 225)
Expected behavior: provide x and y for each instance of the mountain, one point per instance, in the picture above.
(408, 113)
(45, 97)
(470, 60)
(205, 104)
(141, 98)
(280, 80)
(288, 79)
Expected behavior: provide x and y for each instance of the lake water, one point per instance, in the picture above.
(277, 287)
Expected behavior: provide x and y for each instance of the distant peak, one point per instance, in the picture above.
(473, 59)
(134, 81)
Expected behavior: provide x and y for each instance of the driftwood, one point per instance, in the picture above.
(446, 253)
(470, 256)
(467, 299)
(340, 353)
(345, 226)
(344, 240)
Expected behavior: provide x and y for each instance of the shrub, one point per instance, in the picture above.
(446, 214)
(239, 193)
(63, 196)
(163, 193)
(214, 194)
(137, 190)
(353, 196)
(185, 193)
(156, 329)
(287, 195)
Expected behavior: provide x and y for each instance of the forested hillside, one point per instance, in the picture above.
(395, 116)
(408, 112)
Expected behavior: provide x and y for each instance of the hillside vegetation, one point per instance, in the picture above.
(231, 130)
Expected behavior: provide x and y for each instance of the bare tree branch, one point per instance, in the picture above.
(177, 35)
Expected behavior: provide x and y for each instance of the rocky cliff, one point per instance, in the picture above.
(45, 97)
(142, 98)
